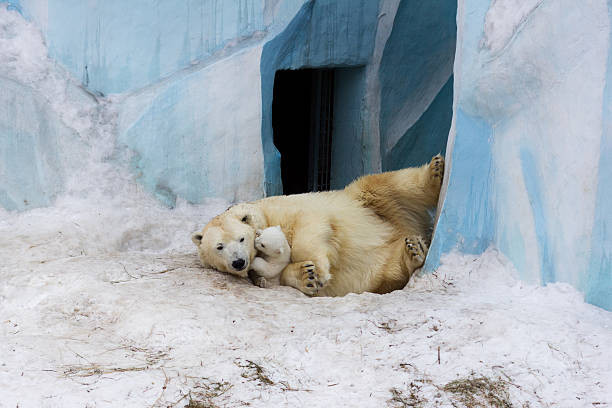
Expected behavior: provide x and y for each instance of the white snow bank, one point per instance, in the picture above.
(133, 329)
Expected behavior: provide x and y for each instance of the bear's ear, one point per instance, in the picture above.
(196, 237)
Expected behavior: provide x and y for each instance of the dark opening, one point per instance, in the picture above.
(302, 122)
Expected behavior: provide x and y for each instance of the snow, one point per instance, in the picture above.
(144, 328)
(103, 302)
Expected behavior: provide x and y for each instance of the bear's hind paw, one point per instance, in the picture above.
(416, 248)
(311, 280)
(436, 168)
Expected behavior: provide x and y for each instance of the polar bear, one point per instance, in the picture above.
(273, 255)
(369, 237)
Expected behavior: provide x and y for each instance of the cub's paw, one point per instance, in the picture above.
(311, 281)
(257, 280)
(416, 249)
(436, 168)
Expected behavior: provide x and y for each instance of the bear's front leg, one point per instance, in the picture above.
(257, 279)
(264, 268)
(303, 276)
(310, 249)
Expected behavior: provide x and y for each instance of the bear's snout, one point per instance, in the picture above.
(238, 264)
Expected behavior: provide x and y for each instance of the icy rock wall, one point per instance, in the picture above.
(199, 136)
(416, 83)
(39, 151)
(185, 83)
(531, 141)
(30, 157)
(114, 46)
(192, 83)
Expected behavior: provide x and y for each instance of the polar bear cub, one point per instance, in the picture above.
(273, 255)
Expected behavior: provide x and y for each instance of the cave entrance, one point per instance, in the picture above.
(302, 117)
(317, 127)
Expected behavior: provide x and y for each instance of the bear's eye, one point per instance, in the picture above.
(263, 246)
(245, 219)
(242, 239)
(219, 247)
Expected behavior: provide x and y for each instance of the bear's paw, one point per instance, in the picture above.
(416, 249)
(436, 168)
(311, 280)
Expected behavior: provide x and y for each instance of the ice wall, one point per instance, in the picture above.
(528, 168)
(186, 91)
(198, 136)
(29, 156)
(416, 83)
(38, 150)
(192, 82)
(114, 46)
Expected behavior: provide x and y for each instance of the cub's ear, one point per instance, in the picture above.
(196, 237)
(280, 251)
(258, 233)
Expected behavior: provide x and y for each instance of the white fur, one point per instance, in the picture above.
(273, 253)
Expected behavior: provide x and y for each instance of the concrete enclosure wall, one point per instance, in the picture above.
(528, 169)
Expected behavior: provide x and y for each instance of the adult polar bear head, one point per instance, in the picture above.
(227, 242)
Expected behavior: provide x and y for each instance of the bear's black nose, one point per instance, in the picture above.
(238, 264)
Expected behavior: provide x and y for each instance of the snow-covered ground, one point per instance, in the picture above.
(103, 304)
(139, 328)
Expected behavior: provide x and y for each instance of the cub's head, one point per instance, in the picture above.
(227, 242)
(271, 241)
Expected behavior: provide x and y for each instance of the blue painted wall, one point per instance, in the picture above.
(416, 83)
(29, 158)
(115, 46)
(466, 220)
(348, 148)
(599, 281)
(427, 137)
(532, 125)
(37, 150)
(198, 136)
